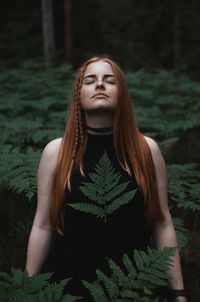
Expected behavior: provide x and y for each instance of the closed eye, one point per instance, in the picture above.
(111, 82)
(88, 83)
(108, 81)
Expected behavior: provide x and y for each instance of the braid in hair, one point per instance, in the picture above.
(80, 123)
(78, 118)
(76, 131)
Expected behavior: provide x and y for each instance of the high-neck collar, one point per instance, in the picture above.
(103, 130)
(100, 140)
(99, 134)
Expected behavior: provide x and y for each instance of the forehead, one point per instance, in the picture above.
(99, 67)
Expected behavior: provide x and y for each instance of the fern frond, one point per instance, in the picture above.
(19, 287)
(152, 279)
(181, 232)
(96, 291)
(138, 284)
(121, 200)
(184, 187)
(88, 208)
(112, 288)
(129, 267)
(103, 189)
(118, 272)
(19, 170)
(90, 190)
(127, 293)
(116, 191)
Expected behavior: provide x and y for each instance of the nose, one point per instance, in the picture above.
(100, 84)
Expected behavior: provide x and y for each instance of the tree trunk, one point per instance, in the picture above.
(48, 32)
(68, 32)
(177, 46)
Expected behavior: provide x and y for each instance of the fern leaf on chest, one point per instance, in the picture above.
(105, 192)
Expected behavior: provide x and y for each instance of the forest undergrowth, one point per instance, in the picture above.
(34, 106)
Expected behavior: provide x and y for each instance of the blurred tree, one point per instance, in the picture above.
(177, 46)
(137, 34)
(48, 32)
(68, 32)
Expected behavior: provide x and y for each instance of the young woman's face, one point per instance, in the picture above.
(99, 88)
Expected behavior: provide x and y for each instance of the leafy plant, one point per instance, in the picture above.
(184, 190)
(103, 189)
(142, 276)
(34, 107)
(19, 287)
(19, 170)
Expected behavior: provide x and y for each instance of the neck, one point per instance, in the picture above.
(99, 124)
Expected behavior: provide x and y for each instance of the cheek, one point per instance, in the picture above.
(84, 96)
(85, 92)
(115, 93)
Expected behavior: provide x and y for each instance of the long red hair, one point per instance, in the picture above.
(127, 140)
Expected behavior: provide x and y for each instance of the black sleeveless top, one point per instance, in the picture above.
(104, 217)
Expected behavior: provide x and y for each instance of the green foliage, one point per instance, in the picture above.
(182, 232)
(34, 106)
(161, 112)
(104, 188)
(18, 170)
(138, 281)
(18, 287)
(184, 187)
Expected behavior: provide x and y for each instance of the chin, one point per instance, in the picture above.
(98, 109)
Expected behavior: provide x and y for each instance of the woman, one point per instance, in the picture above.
(102, 187)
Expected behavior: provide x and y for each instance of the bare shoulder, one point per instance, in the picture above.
(50, 153)
(162, 181)
(45, 171)
(53, 146)
(156, 153)
(152, 144)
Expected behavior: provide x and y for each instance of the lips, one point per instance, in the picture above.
(100, 94)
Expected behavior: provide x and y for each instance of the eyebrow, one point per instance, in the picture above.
(94, 75)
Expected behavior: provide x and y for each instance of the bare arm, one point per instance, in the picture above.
(41, 232)
(164, 232)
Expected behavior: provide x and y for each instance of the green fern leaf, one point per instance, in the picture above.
(147, 291)
(88, 208)
(118, 272)
(139, 259)
(122, 200)
(103, 189)
(127, 293)
(145, 279)
(19, 169)
(112, 288)
(90, 190)
(18, 278)
(116, 191)
(129, 266)
(156, 272)
(96, 291)
(181, 232)
(151, 278)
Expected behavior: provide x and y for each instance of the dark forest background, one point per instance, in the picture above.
(42, 43)
(138, 34)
